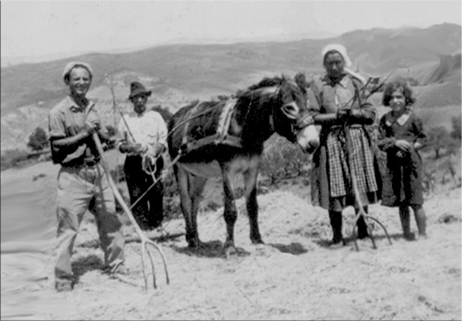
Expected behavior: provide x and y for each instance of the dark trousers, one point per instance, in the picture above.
(148, 212)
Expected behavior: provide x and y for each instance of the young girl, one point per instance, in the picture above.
(401, 135)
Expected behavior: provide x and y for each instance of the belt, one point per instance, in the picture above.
(349, 126)
(91, 163)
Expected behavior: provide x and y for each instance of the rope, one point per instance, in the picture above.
(175, 160)
(149, 162)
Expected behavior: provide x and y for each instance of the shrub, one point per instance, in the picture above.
(38, 140)
(13, 158)
(438, 139)
(456, 124)
(282, 159)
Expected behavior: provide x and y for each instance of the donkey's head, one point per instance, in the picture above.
(290, 114)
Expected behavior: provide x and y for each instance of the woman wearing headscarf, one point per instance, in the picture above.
(337, 104)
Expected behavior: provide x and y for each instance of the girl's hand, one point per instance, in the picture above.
(403, 145)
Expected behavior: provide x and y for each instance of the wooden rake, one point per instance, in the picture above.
(145, 241)
(361, 211)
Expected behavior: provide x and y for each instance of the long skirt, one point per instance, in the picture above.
(332, 186)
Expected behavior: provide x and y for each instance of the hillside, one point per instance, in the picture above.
(181, 73)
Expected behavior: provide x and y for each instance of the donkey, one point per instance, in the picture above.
(227, 137)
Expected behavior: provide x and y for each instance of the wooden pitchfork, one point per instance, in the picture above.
(145, 241)
(361, 211)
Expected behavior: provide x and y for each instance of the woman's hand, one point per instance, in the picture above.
(343, 113)
(403, 145)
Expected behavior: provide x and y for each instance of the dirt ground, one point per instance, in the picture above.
(293, 276)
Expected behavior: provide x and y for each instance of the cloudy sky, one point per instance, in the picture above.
(33, 28)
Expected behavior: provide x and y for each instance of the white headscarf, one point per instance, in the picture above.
(340, 49)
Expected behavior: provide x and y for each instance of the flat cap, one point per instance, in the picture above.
(72, 65)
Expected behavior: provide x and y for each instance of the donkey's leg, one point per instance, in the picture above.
(196, 187)
(250, 183)
(230, 210)
(186, 203)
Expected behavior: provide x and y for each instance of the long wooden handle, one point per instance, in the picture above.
(113, 186)
(349, 146)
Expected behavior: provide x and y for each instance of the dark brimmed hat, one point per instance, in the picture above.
(136, 89)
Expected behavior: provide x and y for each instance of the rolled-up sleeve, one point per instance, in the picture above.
(56, 128)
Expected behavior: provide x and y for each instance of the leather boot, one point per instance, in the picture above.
(362, 226)
(336, 224)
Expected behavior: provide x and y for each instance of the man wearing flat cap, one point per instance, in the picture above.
(142, 135)
(82, 182)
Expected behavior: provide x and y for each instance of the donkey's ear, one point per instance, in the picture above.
(300, 80)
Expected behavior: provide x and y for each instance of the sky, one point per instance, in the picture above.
(35, 28)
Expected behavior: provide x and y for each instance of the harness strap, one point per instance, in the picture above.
(225, 120)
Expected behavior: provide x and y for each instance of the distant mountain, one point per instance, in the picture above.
(179, 73)
(430, 55)
(7, 61)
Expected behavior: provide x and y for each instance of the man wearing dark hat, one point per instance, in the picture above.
(82, 182)
(142, 136)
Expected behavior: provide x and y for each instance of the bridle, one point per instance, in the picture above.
(291, 111)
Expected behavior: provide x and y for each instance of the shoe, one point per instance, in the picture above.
(153, 224)
(363, 234)
(64, 285)
(409, 236)
(121, 269)
(336, 244)
(362, 228)
(118, 269)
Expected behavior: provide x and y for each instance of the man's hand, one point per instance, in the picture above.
(135, 149)
(90, 127)
(110, 142)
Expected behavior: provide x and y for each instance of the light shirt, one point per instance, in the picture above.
(148, 129)
(67, 119)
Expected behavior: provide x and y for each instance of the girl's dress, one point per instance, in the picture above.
(404, 174)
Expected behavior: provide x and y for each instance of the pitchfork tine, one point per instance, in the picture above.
(144, 239)
(361, 211)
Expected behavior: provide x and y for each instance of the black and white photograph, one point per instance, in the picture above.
(231, 160)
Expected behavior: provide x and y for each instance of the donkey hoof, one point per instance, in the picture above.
(230, 250)
(193, 244)
(257, 240)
